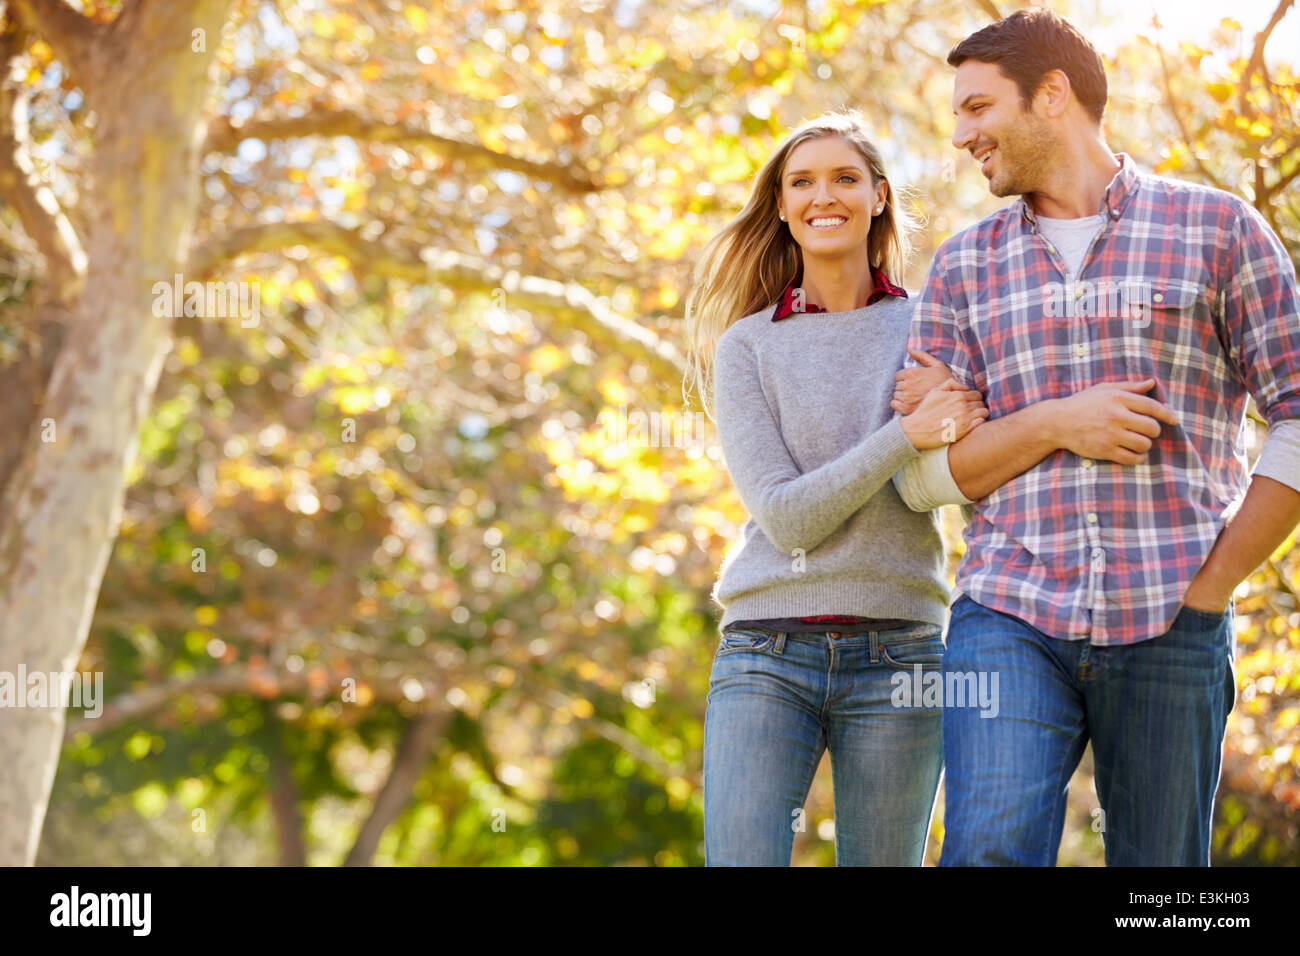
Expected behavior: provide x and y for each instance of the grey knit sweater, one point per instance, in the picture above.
(802, 409)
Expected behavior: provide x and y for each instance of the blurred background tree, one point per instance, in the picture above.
(386, 589)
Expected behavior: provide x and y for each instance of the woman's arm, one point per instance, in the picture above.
(793, 510)
(796, 510)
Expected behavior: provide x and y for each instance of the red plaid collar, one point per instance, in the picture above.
(883, 287)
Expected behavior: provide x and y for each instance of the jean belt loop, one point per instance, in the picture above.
(873, 638)
(779, 647)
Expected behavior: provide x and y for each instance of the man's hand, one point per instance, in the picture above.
(912, 384)
(1112, 421)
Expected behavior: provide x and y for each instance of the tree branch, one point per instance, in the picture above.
(224, 136)
(70, 36)
(265, 683)
(1178, 118)
(432, 266)
(1256, 61)
(418, 740)
(38, 210)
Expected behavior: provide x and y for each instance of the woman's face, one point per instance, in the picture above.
(827, 181)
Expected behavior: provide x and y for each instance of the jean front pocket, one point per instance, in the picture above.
(919, 646)
(742, 639)
(1196, 619)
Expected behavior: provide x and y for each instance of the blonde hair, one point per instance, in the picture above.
(754, 257)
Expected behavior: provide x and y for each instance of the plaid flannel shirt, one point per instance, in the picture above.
(1184, 284)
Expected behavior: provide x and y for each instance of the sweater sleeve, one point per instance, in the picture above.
(793, 510)
(926, 482)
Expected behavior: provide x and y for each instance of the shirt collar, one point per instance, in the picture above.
(786, 307)
(1121, 188)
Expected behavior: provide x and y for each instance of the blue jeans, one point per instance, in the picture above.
(778, 701)
(1155, 712)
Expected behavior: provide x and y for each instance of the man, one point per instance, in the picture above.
(1107, 535)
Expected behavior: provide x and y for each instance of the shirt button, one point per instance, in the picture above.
(1080, 350)
(1158, 297)
(1078, 292)
(1087, 463)
(1092, 517)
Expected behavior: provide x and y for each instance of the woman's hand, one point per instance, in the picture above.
(945, 415)
(912, 384)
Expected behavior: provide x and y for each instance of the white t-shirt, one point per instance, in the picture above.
(1071, 237)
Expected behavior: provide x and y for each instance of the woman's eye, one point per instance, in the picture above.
(850, 177)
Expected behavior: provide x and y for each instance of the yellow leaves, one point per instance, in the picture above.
(372, 71)
(831, 39)
(150, 800)
(353, 399)
(323, 25)
(646, 53)
(668, 294)
(581, 708)
(572, 216)
(1194, 53)
(1284, 547)
(188, 352)
(1176, 160)
(634, 523)
(679, 791)
(670, 243)
(205, 615)
(416, 17)
(137, 745)
(1222, 92)
(614, 391)
(196, 515)
(546, 359)
(589, 670)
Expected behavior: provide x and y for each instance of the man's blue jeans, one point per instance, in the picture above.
(778, 701)
(1155, 712)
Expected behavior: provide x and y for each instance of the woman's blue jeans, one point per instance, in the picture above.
(778, 701)
(1155, 712)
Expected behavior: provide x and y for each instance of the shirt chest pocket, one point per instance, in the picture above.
(1170, 328)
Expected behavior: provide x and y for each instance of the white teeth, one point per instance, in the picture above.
(821, 223)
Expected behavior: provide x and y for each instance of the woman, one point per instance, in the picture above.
(836, 590)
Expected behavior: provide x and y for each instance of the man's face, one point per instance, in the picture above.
(1013, 146)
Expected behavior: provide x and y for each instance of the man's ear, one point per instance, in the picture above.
(1054, 92)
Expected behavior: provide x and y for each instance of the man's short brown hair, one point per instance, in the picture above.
(1028, 44)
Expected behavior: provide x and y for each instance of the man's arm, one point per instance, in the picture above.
(1261, 315)
(1112, 421)
(1267, 514)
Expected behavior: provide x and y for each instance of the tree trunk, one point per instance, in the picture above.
(147, 84)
